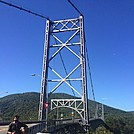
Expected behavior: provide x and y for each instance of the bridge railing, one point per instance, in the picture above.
(36, 128)
(54, 124)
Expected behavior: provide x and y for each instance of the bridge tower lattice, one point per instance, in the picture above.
(64, 40)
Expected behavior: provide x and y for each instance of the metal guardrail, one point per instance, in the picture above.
(26, 122)
(36, 128)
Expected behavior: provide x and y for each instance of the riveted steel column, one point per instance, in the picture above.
(83, 70)
(43, 112)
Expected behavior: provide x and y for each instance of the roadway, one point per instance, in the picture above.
(3, 129)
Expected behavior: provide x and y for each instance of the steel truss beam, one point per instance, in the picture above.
(55, 40)
(76, 104)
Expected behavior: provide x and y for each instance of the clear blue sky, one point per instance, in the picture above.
(109, 28)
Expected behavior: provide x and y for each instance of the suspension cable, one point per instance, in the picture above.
(75, 7)
(90, 76)
(23, 9)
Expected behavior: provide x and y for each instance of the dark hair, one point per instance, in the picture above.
(16, 116)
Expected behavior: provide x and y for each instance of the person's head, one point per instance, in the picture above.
(16, 118)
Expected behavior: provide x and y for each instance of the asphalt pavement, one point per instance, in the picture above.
(3, 129)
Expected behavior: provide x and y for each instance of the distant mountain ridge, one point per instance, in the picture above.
(26, 105)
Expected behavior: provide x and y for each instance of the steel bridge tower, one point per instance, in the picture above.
(64, 40)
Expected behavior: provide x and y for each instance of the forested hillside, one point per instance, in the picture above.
(26, 105)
